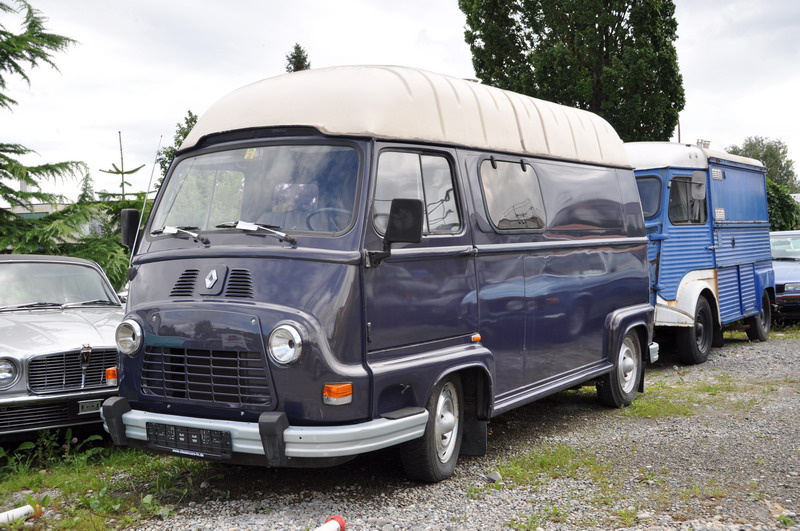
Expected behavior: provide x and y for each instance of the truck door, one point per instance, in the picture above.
(651, 187)
(419, 294)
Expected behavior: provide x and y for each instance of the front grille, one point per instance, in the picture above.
(62, 372)
(184, 286)
(240, 284)
(227, 376)
(21, 418)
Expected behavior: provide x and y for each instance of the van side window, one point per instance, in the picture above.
(683, 210)
(513, 196)
(417, 176)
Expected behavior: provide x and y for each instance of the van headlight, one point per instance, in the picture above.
(8, 373)
(129, 337)
(285, 344)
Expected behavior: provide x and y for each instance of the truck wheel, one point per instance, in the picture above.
(433, 456)
(619, 387)
(694, 343)
(759, 325)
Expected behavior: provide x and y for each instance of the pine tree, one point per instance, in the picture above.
(297, 59)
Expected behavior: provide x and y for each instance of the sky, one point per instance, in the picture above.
(139, 66)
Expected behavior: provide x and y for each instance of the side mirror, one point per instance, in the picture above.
(406, 221)
(698, 185)
(129, 225)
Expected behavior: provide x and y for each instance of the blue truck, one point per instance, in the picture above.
(708, 229)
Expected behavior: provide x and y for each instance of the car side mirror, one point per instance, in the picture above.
(129, 225)
(406, 221)
(698, 185)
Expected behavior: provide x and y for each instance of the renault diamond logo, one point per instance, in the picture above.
(211, 279)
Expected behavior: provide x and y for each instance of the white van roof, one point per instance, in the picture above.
(651, 155)
(392, 102)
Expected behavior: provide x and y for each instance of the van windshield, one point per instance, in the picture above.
(287, 187)
(650, 194)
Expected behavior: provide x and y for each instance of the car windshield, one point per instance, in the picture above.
(46, 284)
(287, 187)
(785, 247)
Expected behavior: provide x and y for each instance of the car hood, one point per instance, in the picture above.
(44, 331)
(786, 271)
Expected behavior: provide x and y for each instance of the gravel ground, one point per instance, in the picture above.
(727, 457)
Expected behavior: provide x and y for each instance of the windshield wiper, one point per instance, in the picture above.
(785, 258)
(250, 226)
(31, 305)
(167, 229)
(93, 302)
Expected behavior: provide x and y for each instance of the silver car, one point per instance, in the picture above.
(58, 316)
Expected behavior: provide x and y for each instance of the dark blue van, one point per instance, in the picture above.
(351, 258)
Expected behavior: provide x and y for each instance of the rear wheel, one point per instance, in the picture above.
(694, 343)
(433, 456)
(619, 387)
(758, 326)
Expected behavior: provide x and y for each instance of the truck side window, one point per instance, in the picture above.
(417, 176)
(683, 210)
(513, 196)
(650, 194)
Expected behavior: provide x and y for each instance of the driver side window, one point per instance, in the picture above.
(429, 178)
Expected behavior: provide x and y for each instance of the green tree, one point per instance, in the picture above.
(613, 57)
(167, 154)
(297, 59)
(30, 46)
(774, 154)
(784, 212)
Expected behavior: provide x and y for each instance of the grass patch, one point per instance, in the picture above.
(90, 484)
(557, 461)
(661, 400)
(551, 513)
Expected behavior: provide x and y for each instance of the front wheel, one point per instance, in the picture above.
(758, 326)
(694, 343)
(433, 456)
(619, 387)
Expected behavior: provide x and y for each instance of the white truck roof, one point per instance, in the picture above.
(651, 155)
(392, 102)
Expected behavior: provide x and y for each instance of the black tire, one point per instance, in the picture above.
(758, 326)
(619, 387)
(433, 456)
(694, 343)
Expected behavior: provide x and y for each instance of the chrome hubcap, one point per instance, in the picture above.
(445, 424)
(627, 365)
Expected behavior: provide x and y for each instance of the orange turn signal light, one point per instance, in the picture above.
(111, 376)
(476, 337)
(337, 394)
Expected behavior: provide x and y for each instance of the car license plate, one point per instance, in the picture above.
(193, 442)
(89, 406)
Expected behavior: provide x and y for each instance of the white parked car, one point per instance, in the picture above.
(58, 316)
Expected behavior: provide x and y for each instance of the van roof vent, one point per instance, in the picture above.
(240, 284)
(184, 287)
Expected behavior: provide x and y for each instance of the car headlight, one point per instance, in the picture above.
(285, 344)
(791, 287)
(129, 337)
(8, 373)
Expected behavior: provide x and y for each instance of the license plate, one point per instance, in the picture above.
(89, 406)
(192, 442)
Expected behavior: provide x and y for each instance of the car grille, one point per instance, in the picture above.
(220, 376)
(30, 417)
(62, 372)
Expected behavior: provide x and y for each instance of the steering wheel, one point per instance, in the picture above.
(331, 217)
